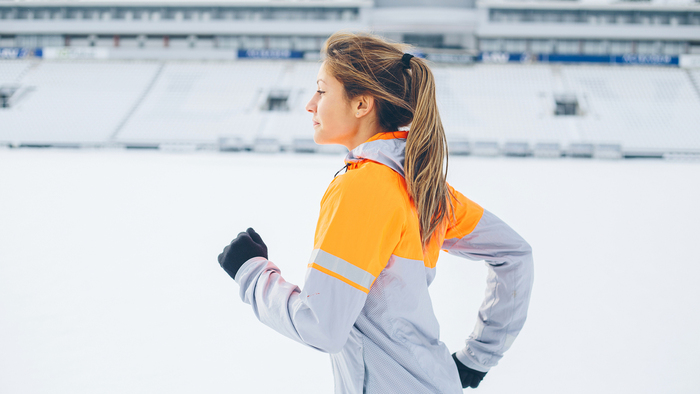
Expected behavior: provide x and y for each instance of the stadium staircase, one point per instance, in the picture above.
(694, 76)
(137, 103)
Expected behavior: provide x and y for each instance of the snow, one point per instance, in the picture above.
(109, 281)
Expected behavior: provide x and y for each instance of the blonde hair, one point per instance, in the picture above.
(367, 64)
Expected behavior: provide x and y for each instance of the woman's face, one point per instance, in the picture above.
(333, 118)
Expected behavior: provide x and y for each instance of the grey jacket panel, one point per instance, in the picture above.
(509, 283)
(323, 323)
(349, 365)
(401, 345)
(393, 345)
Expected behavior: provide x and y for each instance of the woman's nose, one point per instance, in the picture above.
(311, 105)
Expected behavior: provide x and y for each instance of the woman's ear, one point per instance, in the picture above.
(362, 105)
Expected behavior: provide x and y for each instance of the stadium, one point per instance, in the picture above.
(545, 78)
(138, 136)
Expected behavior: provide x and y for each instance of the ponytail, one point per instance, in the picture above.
(426, 151)
(404, 92)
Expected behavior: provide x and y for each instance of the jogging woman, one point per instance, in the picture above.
(381, 226)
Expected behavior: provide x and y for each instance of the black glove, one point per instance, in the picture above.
(246, 246)
(468, 376)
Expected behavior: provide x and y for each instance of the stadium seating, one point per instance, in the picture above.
(201, 102)
(647, 110)
(12, 70)
(74, 102)
(299, 80)
(499, 103)
(487, 109)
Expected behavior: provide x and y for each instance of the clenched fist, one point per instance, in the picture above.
(247, 245)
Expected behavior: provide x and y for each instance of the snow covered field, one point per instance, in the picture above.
(109, 281)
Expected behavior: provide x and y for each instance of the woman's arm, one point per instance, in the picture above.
(358, 228)
(509, 283)
(321, 315)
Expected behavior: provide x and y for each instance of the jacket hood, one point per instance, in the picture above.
(385, 148)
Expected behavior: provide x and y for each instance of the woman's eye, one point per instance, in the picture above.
(320, 92)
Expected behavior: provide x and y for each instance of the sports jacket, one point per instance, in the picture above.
(365, 299)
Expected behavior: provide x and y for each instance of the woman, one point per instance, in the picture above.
(380, 229)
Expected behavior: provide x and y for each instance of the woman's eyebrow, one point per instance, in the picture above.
(320, 80)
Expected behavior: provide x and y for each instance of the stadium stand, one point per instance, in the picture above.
(648, 111)
(293, 127)
(544, 110)
(500, 103)
(13, 70)
(10, 90)
(74, 103)
(590, 78)
(198, 103)
(252, 104)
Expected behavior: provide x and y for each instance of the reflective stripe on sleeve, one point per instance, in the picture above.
(341, 270)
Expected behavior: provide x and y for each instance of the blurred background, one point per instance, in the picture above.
(589, 78)
(137, 138)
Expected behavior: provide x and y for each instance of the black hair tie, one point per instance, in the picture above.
(406, 60)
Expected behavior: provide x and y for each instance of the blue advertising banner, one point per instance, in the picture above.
(556, 58)
(648, 59)
(19, 53)
(659, 60)
(506, 57)
(269, 54)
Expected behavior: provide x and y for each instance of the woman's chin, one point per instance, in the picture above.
(318, 139)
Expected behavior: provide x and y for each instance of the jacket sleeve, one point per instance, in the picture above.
(352, 246)
(477, 234)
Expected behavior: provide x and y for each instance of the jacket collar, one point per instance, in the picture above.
(385, 148)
